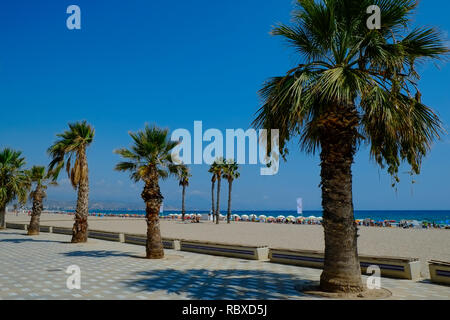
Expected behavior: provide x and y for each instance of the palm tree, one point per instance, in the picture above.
(213, 182)
(69, 151)
(42, 179)
(149, 160)
(14, 183)
(217, 170)
(230, 172)
(354, 85)
(183, 175)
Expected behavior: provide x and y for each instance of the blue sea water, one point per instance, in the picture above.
(441, 217)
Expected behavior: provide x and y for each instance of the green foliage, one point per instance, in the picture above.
(152, 149)
(14, 182)
(230, 170)
(41, 178)
(183, 175)
(346, 64)
(69, 151)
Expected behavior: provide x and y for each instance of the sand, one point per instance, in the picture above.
(425, 244)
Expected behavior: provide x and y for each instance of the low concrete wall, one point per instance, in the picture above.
(141, 239)
(439, 271)
(220, 249)
(62, 230)
(47, 229)
(402, 268)
(17, 226)
(105, 235)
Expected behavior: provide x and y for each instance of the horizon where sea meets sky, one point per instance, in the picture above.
(173, 63)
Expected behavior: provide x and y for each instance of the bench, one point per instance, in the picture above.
(141, 239)
(395, 267)
(439, 271)
(227, 250)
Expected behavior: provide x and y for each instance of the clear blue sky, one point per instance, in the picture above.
(171, 63)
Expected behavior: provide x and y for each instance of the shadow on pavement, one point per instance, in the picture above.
(202, 284)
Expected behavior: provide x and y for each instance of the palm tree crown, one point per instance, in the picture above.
(40, 177)
(371, 73)
(151, 150)
(230, 170)
(14, 182)
(71, 146)
(183, 175)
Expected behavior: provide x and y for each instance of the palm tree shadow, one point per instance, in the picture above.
(203, 284)
(22, 240)
(99, 254)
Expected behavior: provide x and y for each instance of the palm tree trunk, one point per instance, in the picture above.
(34, 227)
(212, 199)
(183, 211)
(342, 272)
(153, 200)
(80, 227)
(230, 184)
(2, 217)
(218, 200)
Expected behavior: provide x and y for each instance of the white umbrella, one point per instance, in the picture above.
(252, 216)
(291, 217)
(312, 217)
(244, 217)
(262, 216)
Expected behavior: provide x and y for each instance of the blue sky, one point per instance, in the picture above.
(172, 63)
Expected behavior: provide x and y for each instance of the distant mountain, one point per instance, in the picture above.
(98, 205)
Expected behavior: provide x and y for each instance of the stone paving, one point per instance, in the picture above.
(35, 268)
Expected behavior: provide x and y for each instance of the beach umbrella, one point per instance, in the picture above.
(244, 217)
(261, 217)
(312, 217)
(252, 216)
(270, 218)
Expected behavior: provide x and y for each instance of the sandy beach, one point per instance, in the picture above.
(424, 244)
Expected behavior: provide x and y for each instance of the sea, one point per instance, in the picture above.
(440, 217)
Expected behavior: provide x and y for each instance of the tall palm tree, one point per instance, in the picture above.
(40, 177)
(14, 183)
(183, 175)
(230, 173)
(149, 160)
(69, 151)
(353, 85)
(217, 170)
(213, 183)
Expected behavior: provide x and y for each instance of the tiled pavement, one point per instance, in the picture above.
(34, 268)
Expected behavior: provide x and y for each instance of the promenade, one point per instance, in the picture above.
(35, 268)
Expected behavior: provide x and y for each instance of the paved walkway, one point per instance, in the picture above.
(34, 268)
